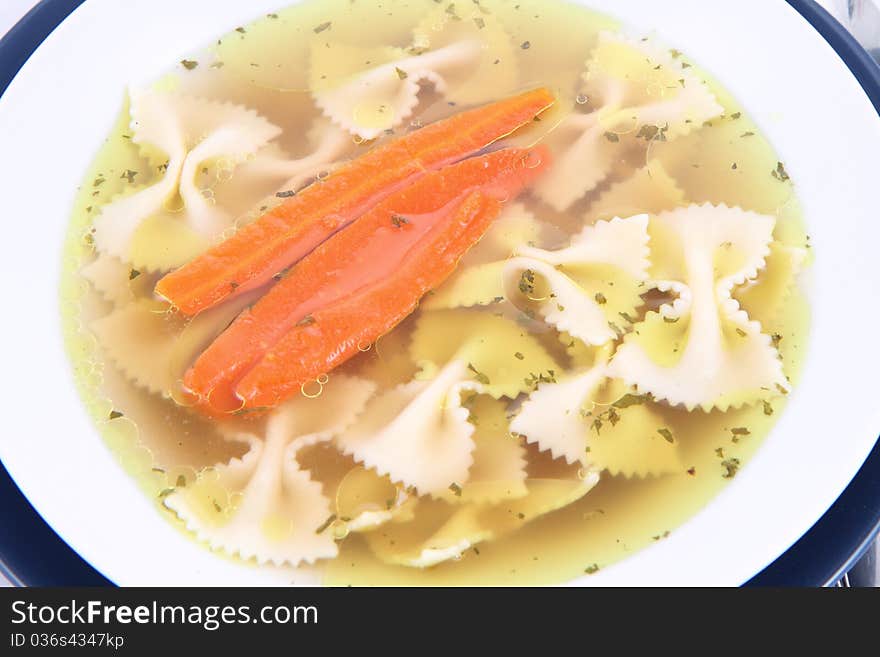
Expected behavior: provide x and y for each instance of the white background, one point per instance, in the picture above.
(12, 10)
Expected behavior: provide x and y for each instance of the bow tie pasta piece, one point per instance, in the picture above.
(492, 73)
(443, 531)
(361, 499)
(417, 433)
(116, 281)
(500, 355)
(634, 89)
(554, 415)
(597, 423)
(702, 349)
(254, 184)
(455, 56)
(763, 297)
(150, 434)
(648, 191)
(180, 134)
(154, 346)
(264, 506)
(591, 288)
(269, 52)
(499, 465)
(479, 281)
(364, 501)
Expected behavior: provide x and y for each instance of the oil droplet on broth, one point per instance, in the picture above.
(312, 389)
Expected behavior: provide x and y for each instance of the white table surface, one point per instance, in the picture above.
(12, 10)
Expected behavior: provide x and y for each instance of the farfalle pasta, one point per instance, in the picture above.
(434, 293)
(572, 288)
(370, 90)
(262, 505)
(636, 91)
(479, 280)
(179, 134)
(453, 528)
(600, 424)
(712, 355)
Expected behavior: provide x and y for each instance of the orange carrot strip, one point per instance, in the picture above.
(285, 234)
(368, 251)
(339, 331)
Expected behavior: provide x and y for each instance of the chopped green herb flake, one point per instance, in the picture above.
(286, 194)
(667, 435)
(652, 133)
(731, 467)
(479, 376)
(518, 356)
(305, 321)
(324, 525)
(181, 481)
(115, 414)
(600, 299)
(188, 64)
(133, 274)
(525, 45)
(398, 220)
(527, 282)
(780, 173)
(456, 489)
(129, 175)
(591, 569)
(768, 409)
(612, 137)
(630, 400)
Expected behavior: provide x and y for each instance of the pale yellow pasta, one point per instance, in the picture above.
(180, 133)
(263, 505)
(633, 89)
(589, 289)
(368, 90)
(703, 350)
(444, 531)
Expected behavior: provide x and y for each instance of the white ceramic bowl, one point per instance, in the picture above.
(59, 108)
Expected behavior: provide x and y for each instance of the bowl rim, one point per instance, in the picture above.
(820, 557)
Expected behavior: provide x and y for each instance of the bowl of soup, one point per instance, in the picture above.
(503, 293)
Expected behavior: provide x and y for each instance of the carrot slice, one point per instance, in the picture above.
(413, 238)
(285, 234)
